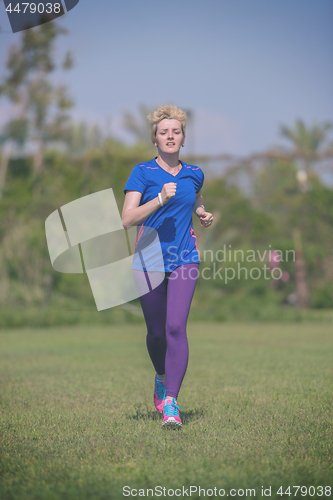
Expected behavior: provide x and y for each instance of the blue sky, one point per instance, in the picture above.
(243, 67)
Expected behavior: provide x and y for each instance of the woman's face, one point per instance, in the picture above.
(169, 136)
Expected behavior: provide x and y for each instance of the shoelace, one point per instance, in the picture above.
(171, 410)
(160, 389)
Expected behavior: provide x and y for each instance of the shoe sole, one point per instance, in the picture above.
(171, 425)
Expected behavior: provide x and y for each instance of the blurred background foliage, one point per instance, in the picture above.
(274, 200)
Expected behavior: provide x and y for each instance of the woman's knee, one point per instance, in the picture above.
(175, 328)
(155, 337)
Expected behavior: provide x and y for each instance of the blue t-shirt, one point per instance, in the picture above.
(173, 221)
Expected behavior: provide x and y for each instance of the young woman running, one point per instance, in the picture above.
(162, 194)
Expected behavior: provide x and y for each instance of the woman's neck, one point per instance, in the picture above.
(169, 162)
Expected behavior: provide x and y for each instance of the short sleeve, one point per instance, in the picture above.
(136, 181)
(200, 181)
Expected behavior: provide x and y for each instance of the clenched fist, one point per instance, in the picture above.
(168, 191)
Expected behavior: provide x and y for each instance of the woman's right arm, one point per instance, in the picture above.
(133, 214)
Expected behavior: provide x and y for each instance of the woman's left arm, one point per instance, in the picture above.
(206, 218)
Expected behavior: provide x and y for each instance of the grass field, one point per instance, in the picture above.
(78, 422)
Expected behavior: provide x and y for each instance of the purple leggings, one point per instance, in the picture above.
(166, 309)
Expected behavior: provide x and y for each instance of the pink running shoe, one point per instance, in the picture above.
(159, 394)
(171, 416)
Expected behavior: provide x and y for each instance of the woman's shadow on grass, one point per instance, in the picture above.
(143, 412)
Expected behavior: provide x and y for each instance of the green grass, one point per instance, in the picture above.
(77, 419)
(207, 306)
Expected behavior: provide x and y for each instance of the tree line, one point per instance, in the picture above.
(276, 200)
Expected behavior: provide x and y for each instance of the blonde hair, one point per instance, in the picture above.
(168, 112)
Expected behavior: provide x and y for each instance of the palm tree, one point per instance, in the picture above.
(82, 137)
(307, 139)
(139, 126)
